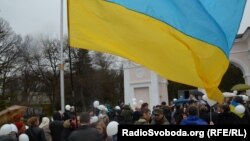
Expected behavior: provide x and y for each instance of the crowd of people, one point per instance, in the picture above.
(92, 125)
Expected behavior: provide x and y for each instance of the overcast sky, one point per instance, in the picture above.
(39, 17)
(42, 17)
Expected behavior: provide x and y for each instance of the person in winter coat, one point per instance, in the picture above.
(69, 126)
(45, 126)
(34, 132)
(193, 118)
(56, 126)
(159, 117)
(85, 131)
(127, 115)
(145, 116)
(225, 117)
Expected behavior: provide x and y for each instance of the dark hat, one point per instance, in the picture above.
(157, 111)
(57, 116)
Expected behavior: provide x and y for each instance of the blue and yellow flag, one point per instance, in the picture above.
(232, 107)
(187, 41)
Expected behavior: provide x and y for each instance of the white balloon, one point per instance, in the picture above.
(67, 107)
(106, 109)
(204, 97)
(112, 128)
(117, 108)
(228, 94)
(133, 99)
(96, 103)
(23, 137)
(174, 99)
(5, 129)
(239, 109)
(134, 103)
(209, 101)
(244, 97)
(140, 101)
(13, 128)
(93, 119)
(101, 107)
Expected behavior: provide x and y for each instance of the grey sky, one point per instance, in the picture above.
(42, 17)
(36, 17)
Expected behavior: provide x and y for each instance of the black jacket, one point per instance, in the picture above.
(56, 128)
(35, 134)
(85, 133)
(228, 119)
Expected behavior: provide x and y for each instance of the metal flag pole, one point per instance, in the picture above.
(210, 115)
(62, 60)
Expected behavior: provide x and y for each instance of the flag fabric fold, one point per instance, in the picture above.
(183, 41)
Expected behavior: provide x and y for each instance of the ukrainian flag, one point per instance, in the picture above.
(232, 106)
(186, 41)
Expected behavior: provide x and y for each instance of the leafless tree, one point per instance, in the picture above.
(9, 53)
(109, 75)
(50, 68)
(25, 74)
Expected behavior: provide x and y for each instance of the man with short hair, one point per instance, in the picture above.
(193, 118)
(145, 116)
(159, 117)
(85, 132)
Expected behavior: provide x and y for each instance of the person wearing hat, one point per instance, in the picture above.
(159, 117)
(68, 114)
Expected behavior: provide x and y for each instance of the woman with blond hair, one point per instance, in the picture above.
(45, 126)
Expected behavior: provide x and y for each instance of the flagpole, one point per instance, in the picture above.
(61, 59)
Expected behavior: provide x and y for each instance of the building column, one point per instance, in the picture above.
(154, 93)
(127, 87)
(247, 81)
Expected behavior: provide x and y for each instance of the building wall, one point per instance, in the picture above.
(141, 84)
(240, 55)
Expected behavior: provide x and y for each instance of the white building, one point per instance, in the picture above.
(143, 84)
(240, 54)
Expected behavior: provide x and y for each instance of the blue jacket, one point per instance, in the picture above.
(193, 120)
